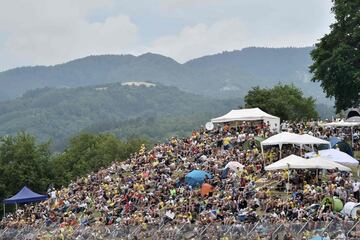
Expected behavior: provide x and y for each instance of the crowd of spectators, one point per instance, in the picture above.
(150, 189)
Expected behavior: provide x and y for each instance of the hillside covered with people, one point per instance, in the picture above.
(152, 187)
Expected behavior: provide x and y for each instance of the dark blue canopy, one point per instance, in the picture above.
(25, 195)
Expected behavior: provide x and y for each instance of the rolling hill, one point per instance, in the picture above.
(223, 75)
(59, 113)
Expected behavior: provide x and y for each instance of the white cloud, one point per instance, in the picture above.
(202, 39)
(186, 3)
(54, 31)
(49, 32)
(226, 35)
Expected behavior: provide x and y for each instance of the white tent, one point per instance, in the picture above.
(343, 123)
(292, 138)
(306, 139)
(296, 162)
(335, 156)
(281, 138)
(249, 114)
(350, 209)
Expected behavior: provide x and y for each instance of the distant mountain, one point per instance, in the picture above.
(222, 75)
(57, 114)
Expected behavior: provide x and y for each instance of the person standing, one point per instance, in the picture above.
(356, 190)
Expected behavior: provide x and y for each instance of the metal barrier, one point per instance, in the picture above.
(353, 227)
(262, 230)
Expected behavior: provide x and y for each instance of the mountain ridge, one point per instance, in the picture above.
(223, 75)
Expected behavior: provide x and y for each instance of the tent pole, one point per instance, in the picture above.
(352, 137)
(262, 152)
(287, 189)
(4, 210)
(288, 180)
(280, 145)
(16, 206)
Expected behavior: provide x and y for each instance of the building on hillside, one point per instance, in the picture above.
(138, 84)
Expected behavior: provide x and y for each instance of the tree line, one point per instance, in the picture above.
(23, 161)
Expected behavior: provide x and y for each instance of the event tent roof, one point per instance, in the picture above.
(249, 114)
(308, 139)
(281, 138)
(296, 162)
(292, 138)
(335, 156)
(25, 195)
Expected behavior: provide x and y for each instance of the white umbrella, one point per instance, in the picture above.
(234, 165)
(296, 162)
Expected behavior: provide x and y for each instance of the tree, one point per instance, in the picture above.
(89, 152)
(23, 162)
(337, 56)
(284, 101)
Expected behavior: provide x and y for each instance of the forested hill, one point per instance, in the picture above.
(60, 113)
(221, 75)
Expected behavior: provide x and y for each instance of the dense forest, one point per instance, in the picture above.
(58, 114)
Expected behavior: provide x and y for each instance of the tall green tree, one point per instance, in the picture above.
(337, 56)
(284, 101)
(89, 152)
(23, 162)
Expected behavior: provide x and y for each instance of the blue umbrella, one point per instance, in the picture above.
(196, 177)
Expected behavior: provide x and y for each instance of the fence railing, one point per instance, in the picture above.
(263, 230)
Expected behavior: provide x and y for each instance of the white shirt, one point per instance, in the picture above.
(356, 186)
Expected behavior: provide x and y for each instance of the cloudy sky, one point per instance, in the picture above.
(47, 32)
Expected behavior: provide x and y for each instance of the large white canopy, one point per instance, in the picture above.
(296, 162)
(249, 114)
(309, 140)
(292, 138)
(281, 138)
(335, 156)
